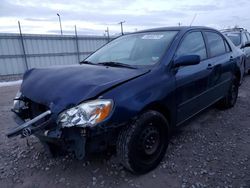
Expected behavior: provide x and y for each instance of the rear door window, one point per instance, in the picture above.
(216, 44)
(192, 44)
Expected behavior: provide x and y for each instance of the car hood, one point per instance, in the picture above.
(62, 87)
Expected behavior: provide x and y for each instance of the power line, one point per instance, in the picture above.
(193, 19)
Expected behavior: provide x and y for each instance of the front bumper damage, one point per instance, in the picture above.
(53, 137)
(40, 120)
(27, 128)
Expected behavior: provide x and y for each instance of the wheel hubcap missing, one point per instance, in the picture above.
(150, 140)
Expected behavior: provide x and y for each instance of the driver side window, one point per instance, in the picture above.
(193, 44)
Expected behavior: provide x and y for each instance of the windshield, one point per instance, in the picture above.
(134, 49)
(234, 37)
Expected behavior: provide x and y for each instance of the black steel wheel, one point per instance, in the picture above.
(142, 145)
(230, 99)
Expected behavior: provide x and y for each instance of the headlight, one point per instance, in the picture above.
(18, 104)
(86, 114)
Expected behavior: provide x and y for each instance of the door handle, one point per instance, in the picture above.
(209, 66)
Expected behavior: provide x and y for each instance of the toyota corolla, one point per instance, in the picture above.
(131, 94)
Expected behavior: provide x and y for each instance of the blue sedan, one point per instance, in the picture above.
(131, 94)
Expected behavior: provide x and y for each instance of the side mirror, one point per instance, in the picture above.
(187, 60)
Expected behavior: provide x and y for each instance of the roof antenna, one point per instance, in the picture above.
(193, 19)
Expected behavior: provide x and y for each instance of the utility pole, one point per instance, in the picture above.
(107, 31)
(121, 23)
(77, 45)
(59, 17)
(23, 48)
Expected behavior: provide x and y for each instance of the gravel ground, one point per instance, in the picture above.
(213, 150)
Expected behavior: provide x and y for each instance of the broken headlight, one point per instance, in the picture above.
(18, 103)
(86, 114)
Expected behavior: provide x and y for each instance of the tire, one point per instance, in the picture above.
(243, 75)
(244, 70)
(231, 97)
(142, 144)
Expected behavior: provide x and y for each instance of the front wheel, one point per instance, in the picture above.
(142, 145)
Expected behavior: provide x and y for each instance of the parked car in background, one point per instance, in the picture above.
(241, 39)
(131, 93)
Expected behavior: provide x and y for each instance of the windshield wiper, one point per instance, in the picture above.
(116, 64)
(87, 62)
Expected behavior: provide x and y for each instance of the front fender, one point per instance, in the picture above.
(133, 97)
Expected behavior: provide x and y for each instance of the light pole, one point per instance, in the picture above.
(59, 17)
(121, 26)
(107, 31)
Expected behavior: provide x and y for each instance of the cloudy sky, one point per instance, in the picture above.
(93, 16)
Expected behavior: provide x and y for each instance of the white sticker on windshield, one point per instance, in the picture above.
(232, 35)
(154, 37)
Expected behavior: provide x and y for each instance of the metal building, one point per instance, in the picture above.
(19, 53)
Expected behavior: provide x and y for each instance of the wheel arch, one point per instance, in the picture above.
(157, 106)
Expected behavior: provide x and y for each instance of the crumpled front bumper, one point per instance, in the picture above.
(27, 128)
(68, 139)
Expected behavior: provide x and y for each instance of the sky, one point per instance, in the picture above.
(92, 17)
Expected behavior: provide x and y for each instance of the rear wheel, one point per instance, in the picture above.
(230, 99)
(244, 73)
(142, 145)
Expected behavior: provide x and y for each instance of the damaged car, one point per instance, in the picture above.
(130, 94)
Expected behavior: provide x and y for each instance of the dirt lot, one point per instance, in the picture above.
(213, 150)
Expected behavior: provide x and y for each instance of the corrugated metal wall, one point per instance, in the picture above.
(43, 51)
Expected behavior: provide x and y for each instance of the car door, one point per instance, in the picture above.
(220, 63)
(192, 80)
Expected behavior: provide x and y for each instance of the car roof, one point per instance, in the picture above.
(234, 30)
(177, 28)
